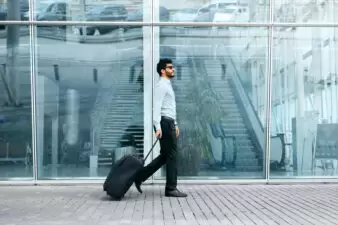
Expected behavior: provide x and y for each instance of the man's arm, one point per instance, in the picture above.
(160, 92)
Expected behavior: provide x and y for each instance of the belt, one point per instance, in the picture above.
(168, 118)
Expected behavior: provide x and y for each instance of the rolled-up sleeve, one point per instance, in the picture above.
(160, 91)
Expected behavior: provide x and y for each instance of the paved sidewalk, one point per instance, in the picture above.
(206, 204)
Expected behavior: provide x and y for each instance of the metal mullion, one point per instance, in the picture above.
(155, 53)
(269, 91)
(158, 23)
(33, 63)
(148, 55)
(152, 78)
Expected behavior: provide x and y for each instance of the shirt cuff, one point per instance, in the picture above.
(157, 126)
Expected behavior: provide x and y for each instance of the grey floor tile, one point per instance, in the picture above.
(205, 204)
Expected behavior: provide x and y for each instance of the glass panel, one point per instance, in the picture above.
(90, 105)
(15, 101)
(306, 11)
(219, 83)
(14, 10)
(304, 110)
(89, 10)
(219, 11)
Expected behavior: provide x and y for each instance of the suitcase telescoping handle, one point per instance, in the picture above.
(152, 148)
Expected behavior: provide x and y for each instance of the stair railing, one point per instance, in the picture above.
(251, 114)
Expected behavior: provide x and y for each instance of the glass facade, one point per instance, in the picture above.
(256, 87)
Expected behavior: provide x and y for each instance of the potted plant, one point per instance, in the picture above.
(201, 109)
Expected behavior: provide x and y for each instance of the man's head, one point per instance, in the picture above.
(165, 68)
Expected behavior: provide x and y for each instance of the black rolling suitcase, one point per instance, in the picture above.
(122, 175)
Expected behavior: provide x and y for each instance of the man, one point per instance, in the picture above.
(166, 130)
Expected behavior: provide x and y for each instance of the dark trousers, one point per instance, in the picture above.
(168, 156)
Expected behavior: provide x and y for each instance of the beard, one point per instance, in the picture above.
(172, 74)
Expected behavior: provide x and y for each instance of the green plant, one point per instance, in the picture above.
(201, 109)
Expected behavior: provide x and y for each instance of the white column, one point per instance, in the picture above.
(328, 61)
(69, 14)
(335, 57)
(325, 34)
(83, 12)
(13, 38)
(72, 116)
(55, 144)
(148, 66)
(286, 60)
(279, 77)
(316, 67)
(332, 59)
(299, 73)
(300, 107)
(281, 97)
(55, 130)
(155, 58)
(40, 112)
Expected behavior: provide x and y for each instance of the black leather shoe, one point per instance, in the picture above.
(175, 193)
(138, 186)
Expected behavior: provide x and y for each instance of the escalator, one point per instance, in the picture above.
(201, 145)
(240, 120)
(234, 140)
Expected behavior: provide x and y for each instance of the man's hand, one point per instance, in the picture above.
(177, 131)
(158, 133)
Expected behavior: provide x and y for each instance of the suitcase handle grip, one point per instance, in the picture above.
(152, 148)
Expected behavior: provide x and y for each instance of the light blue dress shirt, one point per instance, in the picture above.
(164, 102)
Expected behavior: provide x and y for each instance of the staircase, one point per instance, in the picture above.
(104, 98)
(249, 158)
(179, 83)
(17, 115)
(123, 120)
(15, 121)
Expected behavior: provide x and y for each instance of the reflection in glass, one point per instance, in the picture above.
(214, 11)
(13, 10)
(304, 120)
(15, 103)
(220, 112)
(89, 104)
(85, 10)
(305, 11)
(99, 11)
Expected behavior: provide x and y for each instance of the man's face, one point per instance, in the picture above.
(169, 70)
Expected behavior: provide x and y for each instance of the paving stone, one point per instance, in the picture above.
(206, 204)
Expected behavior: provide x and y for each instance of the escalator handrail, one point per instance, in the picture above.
(246, 95)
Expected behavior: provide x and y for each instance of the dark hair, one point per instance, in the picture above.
(162, 64)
